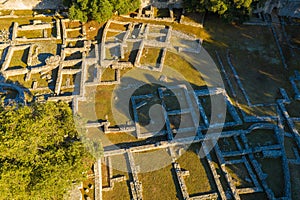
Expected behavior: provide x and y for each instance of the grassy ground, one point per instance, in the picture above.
(161, 13)
(254, 54)
(19, 59)
(200, 179)
(189, 73)
(193, 17)
(272, 167)
(295, 181)
(239, 175)
(289, 145)
(108, 74)
(293, 109)
(227, 144)
(121, 190)
(261, 138)
(297, 125)
(155, 187)
(254, 196)
(150, 56)
(118, 26)
(31, 34)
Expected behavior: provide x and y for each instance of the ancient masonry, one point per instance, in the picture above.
(68, 70)
(244, 149)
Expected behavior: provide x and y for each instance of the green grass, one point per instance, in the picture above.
(74, 34)
(116, 26)
(193, 17)
(111, 34)
(104, 174)
(200, 179)
(254, 54)
(121, 190)
(68, 76)
(19, 59)
(261, 137)
(34, 34)
(158, 184)
(297, 125)
(293, 109)
(227, 144)
(185, 69)
(275, 179)
(254, 196)
(289, 145)
(108, 74)
(293, 32)
(295, 181)
(150, 56)
(239, 175)
(162, 13)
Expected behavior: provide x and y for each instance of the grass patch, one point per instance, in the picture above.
(239, 175)
(19, 59)
(103, 97)
(297, 125)
(289, 146)
(119, 192)
(108, 74)
(275, 179)
(190, 74)
(293, 32)
(254, 54)
(31, 34)
(111, 34)
(74, 34)
(71, 78)
(254, 196)
(200, 179)
(193, 18)
(261, 137)
(116, 26)
(293, 108)
(158, 184)
(94, 30)
(150, 56)
(227, 144)
(295, 181)
(162, 13)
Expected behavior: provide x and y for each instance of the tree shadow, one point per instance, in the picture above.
(44, 5)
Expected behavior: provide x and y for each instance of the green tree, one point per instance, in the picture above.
(228, 9)
(41, 155)
(99, 10)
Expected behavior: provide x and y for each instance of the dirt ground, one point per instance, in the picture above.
(29, 4)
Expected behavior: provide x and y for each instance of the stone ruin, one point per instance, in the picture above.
(146, 35)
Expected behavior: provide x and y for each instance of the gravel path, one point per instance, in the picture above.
(29, 4)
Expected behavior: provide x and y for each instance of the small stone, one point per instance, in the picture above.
(163, 78)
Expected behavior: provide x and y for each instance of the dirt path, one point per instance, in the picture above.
(29, 4)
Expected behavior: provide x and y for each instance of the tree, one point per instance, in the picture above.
(99, 10)
(125, 6)
(41, 155)
(228, 9)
